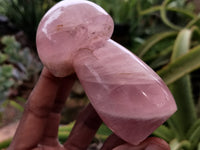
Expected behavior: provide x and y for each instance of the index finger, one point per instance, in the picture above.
(84, 129)
(37, 109)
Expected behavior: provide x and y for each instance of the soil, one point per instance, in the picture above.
(8, 131)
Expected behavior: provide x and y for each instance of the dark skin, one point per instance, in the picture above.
(38, 128)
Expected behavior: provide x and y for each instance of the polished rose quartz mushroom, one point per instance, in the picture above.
(132, 100)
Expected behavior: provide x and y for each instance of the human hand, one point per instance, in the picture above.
(38, 128)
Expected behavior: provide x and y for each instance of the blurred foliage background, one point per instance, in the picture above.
(163, 33)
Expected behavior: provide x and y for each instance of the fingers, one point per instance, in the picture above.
(53, 121)
(38, 107)
(50, 136)
(63, 92)
(49, 148)
(112, 142)
(42, 98)
(84, 130)
(152, 143)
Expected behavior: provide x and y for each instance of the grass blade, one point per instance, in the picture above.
(195, 138)
(176, 9)
(165, 133)
(193, 128)
(181, 66)
(181, 88)
(198, 148)
(183, 145)
(164, 17)
(182, 44)
(153, 40)
(5, 144)
(185, 115)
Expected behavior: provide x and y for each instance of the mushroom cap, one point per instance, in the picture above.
(68, 26)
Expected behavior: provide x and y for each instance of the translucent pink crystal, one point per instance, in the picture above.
(67, 27)
(132, 100)
(128, 95)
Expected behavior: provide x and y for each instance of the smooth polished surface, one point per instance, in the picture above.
(127, 94)
(74, 36)
(67, 27)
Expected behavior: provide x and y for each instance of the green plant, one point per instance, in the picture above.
(128, 21)
(120, 10)
(25, 14)
(101, 134)
(175, 54)
(6, 80)
(16, 66)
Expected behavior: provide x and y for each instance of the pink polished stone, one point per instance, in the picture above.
(67, 27)
(127, 94)
(132, 100)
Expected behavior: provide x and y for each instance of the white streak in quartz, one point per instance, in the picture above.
(66, 3)
(144, 93)
(125, 50)
(134, 57)
(129, 53)
(98, 78)
(50, 19)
